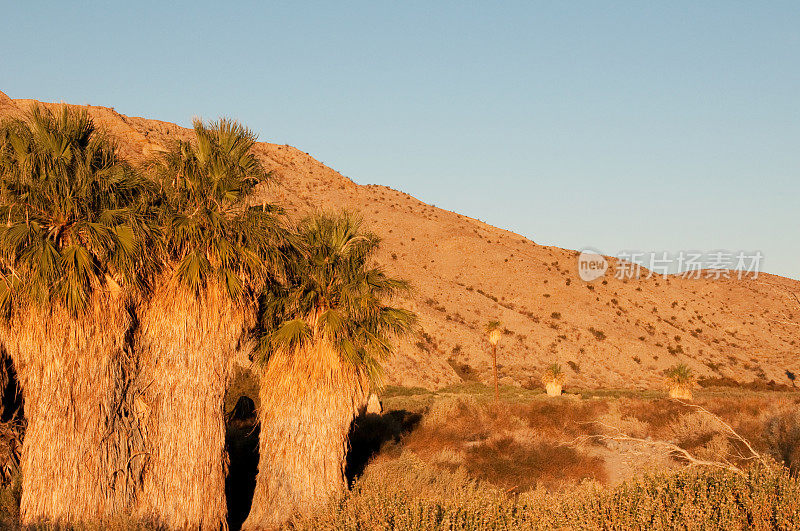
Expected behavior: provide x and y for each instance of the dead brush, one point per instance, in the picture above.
(557, 419)
(517, 466)
(700, 430)
(503, 445)
(10, 452)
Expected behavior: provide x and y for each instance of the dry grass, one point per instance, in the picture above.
(459, 462)
(408, 493)
(510, 447)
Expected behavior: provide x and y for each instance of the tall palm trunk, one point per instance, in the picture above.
(494, 374)
(82, 452)
(187, 345)
(308, 402)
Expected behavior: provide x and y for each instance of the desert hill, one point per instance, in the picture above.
(610, 333)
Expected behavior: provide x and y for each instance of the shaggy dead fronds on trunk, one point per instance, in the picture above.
(308, 403)
(187, 346)
(82, 453)
(323, 334)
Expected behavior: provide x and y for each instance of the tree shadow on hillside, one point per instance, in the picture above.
(370, 432)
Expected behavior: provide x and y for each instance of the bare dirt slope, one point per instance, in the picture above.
(614, 334)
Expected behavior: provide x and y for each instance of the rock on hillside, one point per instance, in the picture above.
(612, 333)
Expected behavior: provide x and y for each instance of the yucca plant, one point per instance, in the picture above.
(216, 253)
(680, 379)
(553, 379)
(75, 221)
(493, 334)
(324, 331)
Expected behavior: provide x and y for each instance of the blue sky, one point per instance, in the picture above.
(616, 125)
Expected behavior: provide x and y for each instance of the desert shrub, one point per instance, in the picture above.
(517, 466)
(465, 371)
(555, 419)
(407, 493)
(452, 422)
(659, 415)
(782, 439)
(512, 447)
(10, 495)
(694, 431)
(370, 433)
(598, 334)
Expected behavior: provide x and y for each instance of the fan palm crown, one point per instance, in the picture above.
(336, 293)
(75, 214)
(211, 232)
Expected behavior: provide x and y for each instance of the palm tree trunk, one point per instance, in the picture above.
(82, 451)
(187, 345)
(308, 402)
(494, 372)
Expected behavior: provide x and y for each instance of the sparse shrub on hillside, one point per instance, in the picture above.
(680, 379)
(598, 334)
(465, 371)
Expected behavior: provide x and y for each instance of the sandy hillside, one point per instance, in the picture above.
(605, 334)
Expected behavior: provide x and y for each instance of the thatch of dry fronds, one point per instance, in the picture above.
(553, 379)
(309, 399)
(187, 345)
(82, 453)
(680, 379)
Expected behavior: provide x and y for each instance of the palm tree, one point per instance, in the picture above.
(493, 333)
(680, 379)
(553, 379)
(324, 332)
(71, 271)
(215, 251)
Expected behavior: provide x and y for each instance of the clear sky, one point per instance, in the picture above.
(616, 125)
